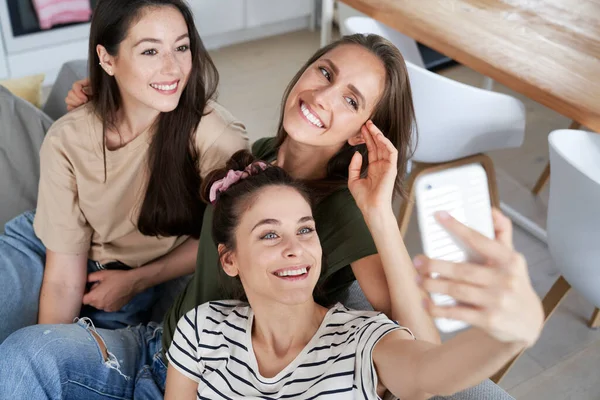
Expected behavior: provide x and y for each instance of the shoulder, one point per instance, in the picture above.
(264, 148)
(72, 124)
(365, 326)
(216, 313)
(73, 133)
(343, 316)
(339, 211)
(219, 125)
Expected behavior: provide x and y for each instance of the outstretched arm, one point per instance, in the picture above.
(495, 297)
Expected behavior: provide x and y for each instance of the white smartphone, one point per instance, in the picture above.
(463, 192)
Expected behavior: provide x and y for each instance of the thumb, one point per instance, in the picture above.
(87, 298)
(354, 168)
(502, 228)
(95, 276)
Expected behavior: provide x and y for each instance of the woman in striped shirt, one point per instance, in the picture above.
(277, 342)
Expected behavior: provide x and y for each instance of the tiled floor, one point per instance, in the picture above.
(565, 363)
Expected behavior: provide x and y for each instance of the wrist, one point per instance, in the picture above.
(139, 279)
(379, 216)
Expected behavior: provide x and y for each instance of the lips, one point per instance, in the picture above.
(295, 273)
(311, 116)
(166, 87)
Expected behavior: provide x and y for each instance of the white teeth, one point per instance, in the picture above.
(310, 116)
(164, 87)
(293, 272)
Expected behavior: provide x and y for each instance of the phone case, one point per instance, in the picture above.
(463, 192)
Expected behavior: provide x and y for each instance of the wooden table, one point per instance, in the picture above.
(548, 50)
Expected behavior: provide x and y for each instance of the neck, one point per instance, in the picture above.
(304, 162)
(281, 328)
(133, 120)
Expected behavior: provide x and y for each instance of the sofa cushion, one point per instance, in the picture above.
(28, 88)
(70, 72)
(22, 130)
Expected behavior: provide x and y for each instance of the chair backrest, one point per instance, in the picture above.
(574, 209)
(454, 120)
(407, 45)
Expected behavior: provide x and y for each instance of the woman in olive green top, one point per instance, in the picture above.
(354, 86)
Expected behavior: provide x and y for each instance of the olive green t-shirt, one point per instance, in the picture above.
(343, 234)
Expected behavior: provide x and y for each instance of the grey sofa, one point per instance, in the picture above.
(22, 128)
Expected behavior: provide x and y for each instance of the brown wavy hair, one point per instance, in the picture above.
(394, 114)
(172, 204)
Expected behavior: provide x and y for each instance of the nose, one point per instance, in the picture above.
(323, 97)
(169, 62)
(292, 248)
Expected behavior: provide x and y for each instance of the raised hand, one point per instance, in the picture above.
(496, 295)
(376, 189)
(78, 95)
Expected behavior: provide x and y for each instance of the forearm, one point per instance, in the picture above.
(179, 262)
(463, 362)
(60, 303)
(405, 295)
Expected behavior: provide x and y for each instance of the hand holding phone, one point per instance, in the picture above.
(463, 193)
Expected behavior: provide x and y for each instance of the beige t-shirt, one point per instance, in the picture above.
(77, 212)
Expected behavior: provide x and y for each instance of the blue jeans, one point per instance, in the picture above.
(66, 362)
(22, 262)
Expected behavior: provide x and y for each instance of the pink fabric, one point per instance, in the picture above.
(56, 12)
(231, 178)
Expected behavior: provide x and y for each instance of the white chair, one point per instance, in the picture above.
(456, 123)
(574, 217)
(358, 24)
(573, 223)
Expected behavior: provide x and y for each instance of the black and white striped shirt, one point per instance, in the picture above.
(212, 346)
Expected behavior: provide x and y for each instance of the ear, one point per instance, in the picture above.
(107, 62)
(356, 140)
(228, 261)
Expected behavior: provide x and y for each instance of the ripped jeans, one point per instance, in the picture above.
(78, 361)
(22, 263)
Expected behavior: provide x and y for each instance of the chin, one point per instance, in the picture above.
(296, 297)
(165, 107)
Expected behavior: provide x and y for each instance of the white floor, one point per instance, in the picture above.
(565, 363)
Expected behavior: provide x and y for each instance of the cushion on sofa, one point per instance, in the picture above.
(22, 130)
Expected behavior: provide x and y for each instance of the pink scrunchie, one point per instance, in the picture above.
(231, 178)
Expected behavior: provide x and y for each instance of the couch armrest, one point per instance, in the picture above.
(70, 72)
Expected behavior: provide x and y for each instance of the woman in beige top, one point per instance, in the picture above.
(120, 177)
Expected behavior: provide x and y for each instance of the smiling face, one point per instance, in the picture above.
(334, 97)
(154, 61)
(277, 251)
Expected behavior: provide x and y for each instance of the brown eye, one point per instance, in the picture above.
(352, 102)
(325, 73)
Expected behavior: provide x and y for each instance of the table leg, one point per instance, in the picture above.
(326, 21)
(488, 83)
(543, 179)
(525, 223)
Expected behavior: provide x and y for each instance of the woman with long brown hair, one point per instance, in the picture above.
(118, 210)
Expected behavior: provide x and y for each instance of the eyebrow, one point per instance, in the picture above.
(272, 221)
(153, 40)
(352, 88)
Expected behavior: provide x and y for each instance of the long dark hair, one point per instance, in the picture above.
(231, 203)
(394, 114)
(172, 205)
